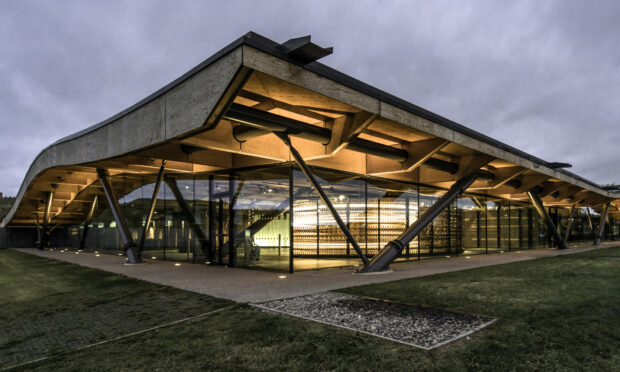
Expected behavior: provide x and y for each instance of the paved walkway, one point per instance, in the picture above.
(243, 285)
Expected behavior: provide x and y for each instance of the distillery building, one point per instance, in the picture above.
(263, 157)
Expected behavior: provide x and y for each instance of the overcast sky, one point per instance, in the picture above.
(542, 76)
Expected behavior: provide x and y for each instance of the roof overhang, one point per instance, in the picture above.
(339, 123)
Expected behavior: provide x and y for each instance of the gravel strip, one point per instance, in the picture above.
(422, 327)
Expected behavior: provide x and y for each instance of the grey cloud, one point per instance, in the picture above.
(541, 76)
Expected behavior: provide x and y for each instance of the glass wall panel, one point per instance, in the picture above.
(524, 230)
(414, 214)
(254, 207)
(318, 241)
(426, 236)
(221, 220)
(482, 219)
(373, 218)
(492, 228)
(504, 226)
(469, 225)
(262, 219)
(103, 234)
(201, 213)
(177, 229)
(515, 226)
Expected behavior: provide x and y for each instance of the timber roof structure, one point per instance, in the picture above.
(225, 114)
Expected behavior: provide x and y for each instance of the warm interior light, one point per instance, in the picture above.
(153, 258)
(177, 264)
(120, 254)
(282, 276)
(97, 255)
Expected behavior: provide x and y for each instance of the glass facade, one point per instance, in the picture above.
(272, 218)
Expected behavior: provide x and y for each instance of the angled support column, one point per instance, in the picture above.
(601, 225)
(540, 208)
(590, 220)
(130, 246)
(392, 250)
(569, 225)
(189, 216)
(87, 221)
(304, 168)
(149, 215)
(46, 218)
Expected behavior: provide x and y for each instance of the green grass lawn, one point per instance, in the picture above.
(560, 313)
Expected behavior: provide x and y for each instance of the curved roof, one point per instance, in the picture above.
(183, 123)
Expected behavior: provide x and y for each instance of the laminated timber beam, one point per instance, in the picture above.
(601, 225)
(256, 123)
(540, 208)
(130, 246)
(392, 250)
(317, 186)
(189, 215)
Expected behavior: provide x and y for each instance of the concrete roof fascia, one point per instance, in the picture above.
(268, 46)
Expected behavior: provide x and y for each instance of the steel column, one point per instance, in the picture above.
(304, 168)
(130, 246)
(569, 224)
(149, 214)
(189, 215)
(601, 225)
(392, 250)
(88, 220)
(540, 208)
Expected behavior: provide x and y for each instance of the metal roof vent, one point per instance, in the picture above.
(558, 165)
(302, 50)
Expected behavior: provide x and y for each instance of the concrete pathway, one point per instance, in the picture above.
(243, 285)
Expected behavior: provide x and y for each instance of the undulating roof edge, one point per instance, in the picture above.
(269, 46)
